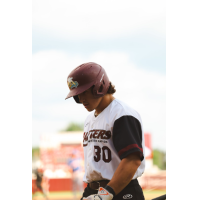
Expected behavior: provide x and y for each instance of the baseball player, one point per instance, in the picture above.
(42, 183)
(113, 138)
(74, 162)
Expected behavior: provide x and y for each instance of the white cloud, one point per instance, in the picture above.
(142, 90)
(99, 19)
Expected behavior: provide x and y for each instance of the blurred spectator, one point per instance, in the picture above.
(75, 163)
(42, 183)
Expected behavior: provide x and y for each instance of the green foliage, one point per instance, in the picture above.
(35, 152)
(73, 127)
(159, 159)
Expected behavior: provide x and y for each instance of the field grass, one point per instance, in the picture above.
(149, 194)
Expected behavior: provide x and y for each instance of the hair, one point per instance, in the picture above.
(111, 89)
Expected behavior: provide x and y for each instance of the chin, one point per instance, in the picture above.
(89, 109)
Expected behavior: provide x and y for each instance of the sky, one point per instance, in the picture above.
(128, 39)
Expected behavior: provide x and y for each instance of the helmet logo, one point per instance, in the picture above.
(71, 83)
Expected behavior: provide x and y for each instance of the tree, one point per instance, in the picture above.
(159, 159)
(35, 152)
(74, 127)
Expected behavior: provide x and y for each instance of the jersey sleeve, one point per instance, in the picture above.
(127, 136)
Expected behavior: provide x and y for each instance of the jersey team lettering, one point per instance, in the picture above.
(92, 135)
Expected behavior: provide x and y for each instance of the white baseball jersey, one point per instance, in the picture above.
(108, 138)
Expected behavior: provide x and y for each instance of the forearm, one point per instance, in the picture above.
(124, 173)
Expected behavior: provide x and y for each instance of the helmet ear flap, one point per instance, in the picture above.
(99, 90)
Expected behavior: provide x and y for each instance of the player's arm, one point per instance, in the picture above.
(127, 140)
(125, 172)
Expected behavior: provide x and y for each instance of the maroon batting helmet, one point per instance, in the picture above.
(85, 76)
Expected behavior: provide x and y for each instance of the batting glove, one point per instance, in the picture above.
(103, 194)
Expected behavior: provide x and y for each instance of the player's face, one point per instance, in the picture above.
(88, 100)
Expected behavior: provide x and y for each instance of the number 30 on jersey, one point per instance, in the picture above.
(103, 153)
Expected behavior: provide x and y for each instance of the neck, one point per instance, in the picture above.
(106, 100)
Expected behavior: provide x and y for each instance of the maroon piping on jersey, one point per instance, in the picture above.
(129, 147)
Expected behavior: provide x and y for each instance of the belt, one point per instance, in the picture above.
(96, 184)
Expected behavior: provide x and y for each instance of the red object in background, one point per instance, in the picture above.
(148, 145)
(56, 158)
(58, 184)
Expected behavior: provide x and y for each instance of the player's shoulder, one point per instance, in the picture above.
(120, 109)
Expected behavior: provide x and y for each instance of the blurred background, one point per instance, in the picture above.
(129, 40)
